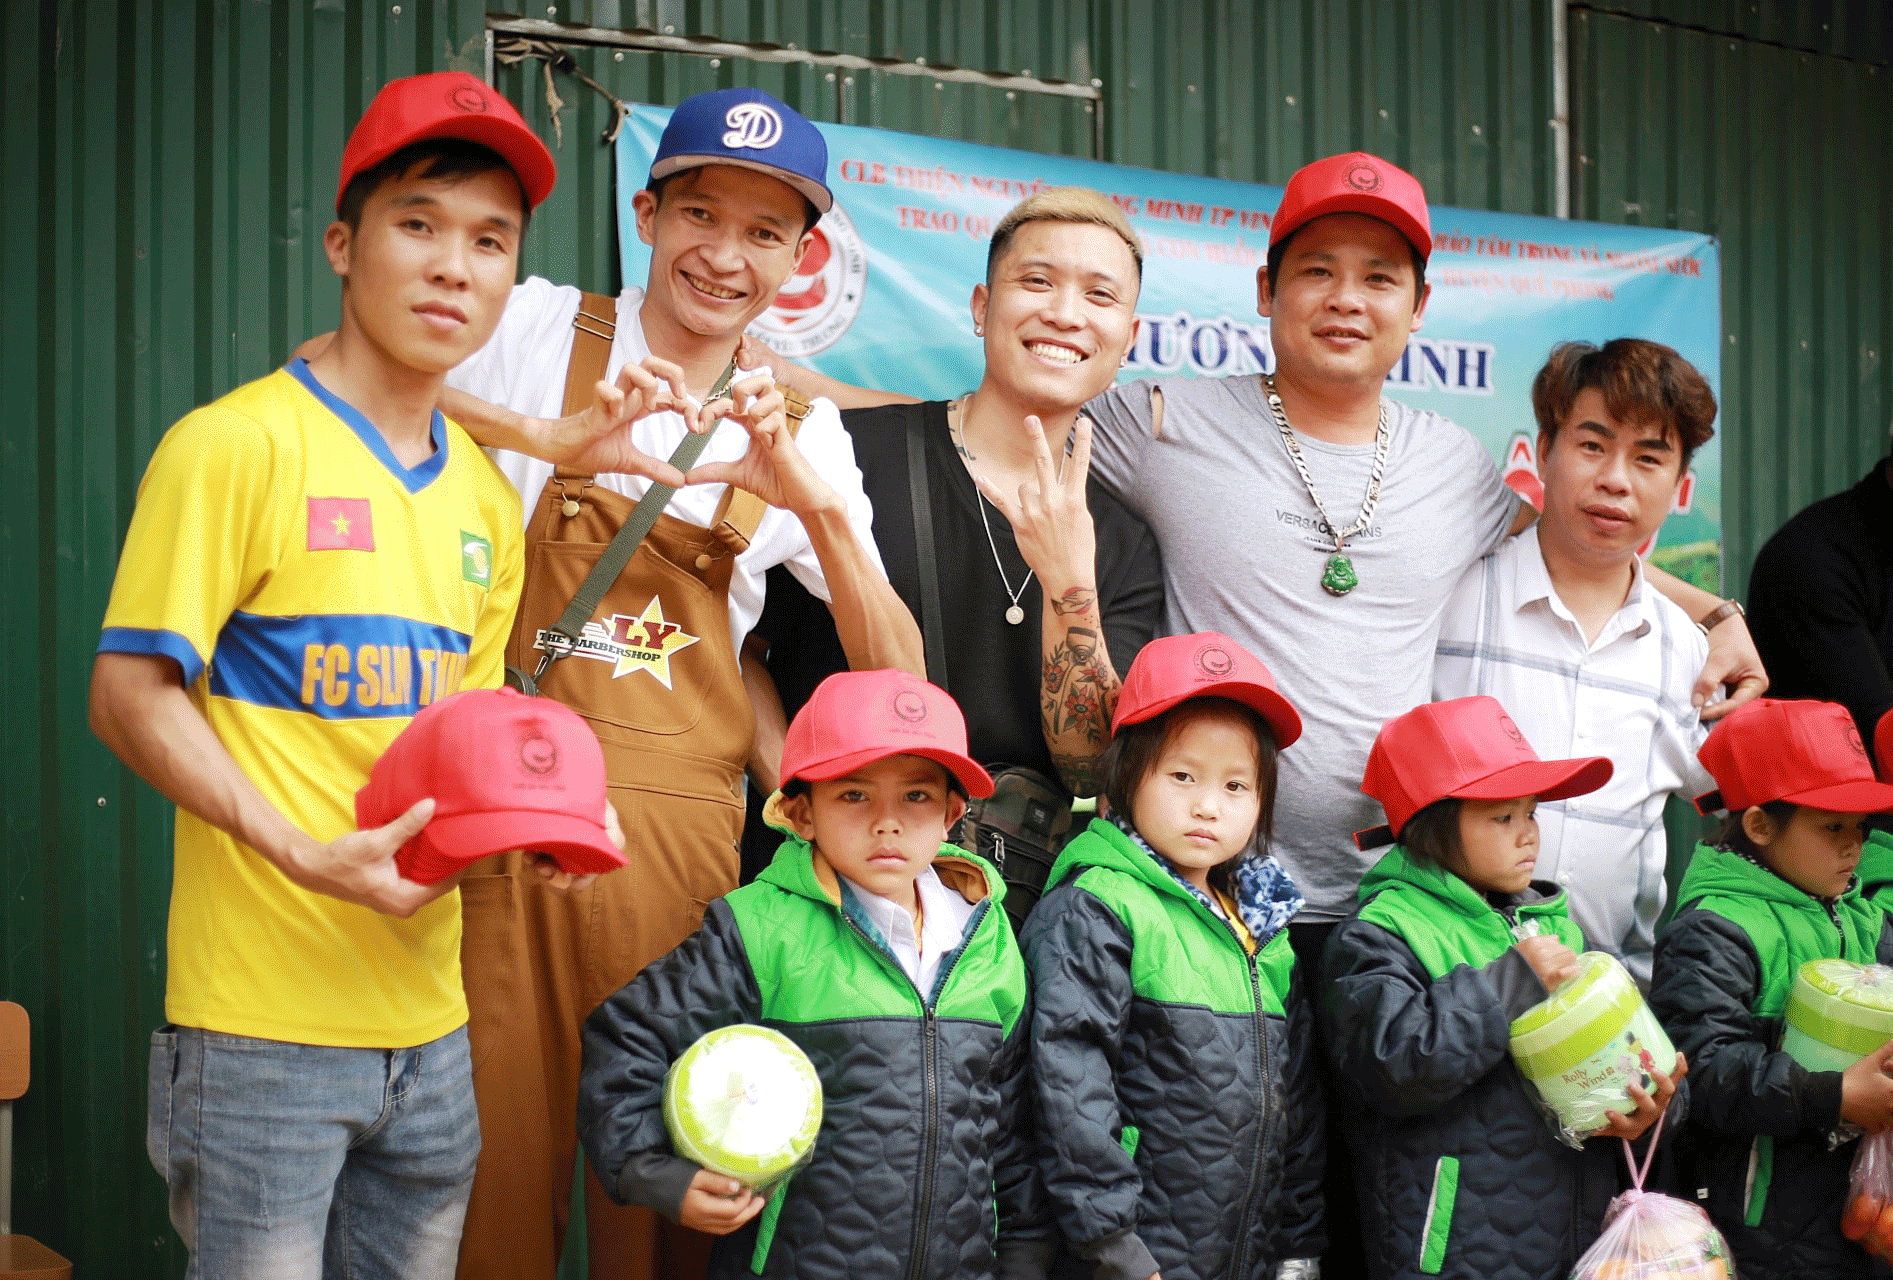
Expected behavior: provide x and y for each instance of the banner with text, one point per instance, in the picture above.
(882, 298)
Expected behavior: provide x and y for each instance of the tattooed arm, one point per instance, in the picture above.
(1078, 685)
(1078, 691)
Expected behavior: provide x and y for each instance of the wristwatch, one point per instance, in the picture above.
(1721, 613)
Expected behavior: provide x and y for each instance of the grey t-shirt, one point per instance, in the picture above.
(1243, 553)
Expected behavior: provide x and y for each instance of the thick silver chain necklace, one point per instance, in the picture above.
(1015, 613)
(1337, 576)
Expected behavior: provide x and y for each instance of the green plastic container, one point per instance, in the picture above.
(744, 1101)
(1838, 1013)
(1587, 1044)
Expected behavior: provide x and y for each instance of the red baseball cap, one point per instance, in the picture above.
(1464, 749)
(858, 717)
(447, 104)
(1204, 664)
(506, 772)
(1798, 750)
(1355, 183)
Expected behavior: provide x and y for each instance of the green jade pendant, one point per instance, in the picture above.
(1339, 578)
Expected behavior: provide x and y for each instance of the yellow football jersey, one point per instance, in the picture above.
(316, 594)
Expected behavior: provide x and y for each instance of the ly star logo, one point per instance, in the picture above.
(646, 642)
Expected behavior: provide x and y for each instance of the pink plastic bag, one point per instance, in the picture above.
(1868, 1217)
(1650, 1236)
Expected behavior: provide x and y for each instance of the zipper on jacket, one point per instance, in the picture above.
(1262, 1114)
(1833, 917)
(930, 1074)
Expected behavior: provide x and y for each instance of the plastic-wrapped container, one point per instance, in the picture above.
(1838, 1013)
(744, 1101)
(1587, 1044)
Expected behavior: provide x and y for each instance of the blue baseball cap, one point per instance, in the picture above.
(750, 130)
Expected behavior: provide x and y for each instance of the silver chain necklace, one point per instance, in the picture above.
(1337, 576)
(1015, 613)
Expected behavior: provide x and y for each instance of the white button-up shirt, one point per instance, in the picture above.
(943, 917)
(1625, 695)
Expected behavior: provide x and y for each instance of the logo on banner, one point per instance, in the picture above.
(821, 300)
(631, 642)
(753, 126)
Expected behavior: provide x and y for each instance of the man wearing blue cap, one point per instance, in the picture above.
(736, 188)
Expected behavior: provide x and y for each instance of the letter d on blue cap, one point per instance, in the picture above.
(750, 130)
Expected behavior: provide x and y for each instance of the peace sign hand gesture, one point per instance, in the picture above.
(1049, 517)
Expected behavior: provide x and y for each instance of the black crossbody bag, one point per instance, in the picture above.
(1021, 827)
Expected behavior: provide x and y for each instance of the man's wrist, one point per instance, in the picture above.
(1719, 615)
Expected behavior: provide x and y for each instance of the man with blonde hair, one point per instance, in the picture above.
(1065, 586)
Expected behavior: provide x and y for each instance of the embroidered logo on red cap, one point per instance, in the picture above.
(1214, 661)
(538, 754)
(909, 706)
(1363, 177)
(1511, 729)
(754, 126)
(467, 98)
(1854, 742)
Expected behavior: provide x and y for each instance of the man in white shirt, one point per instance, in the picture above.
(1561, 627)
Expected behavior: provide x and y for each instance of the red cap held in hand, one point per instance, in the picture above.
(858, 717)
(1801, 751)
(1355, 183)
(447, 104)
(506, 772)
(1205, 664)
(1465, 749)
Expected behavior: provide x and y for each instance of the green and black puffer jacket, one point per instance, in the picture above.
(1180, 1118)
(1723, 972)
(923, 1168)
(1459, 1172)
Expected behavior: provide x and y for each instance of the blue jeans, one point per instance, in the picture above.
(301, 1162)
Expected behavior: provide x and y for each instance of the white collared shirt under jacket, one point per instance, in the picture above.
(943, 917)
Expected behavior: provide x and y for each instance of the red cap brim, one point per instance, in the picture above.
(1283, 720)
(978, 783)
(1546, 779)
(1861, 796)
(576, 844)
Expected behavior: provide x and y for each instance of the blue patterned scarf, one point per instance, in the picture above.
(1266, 898)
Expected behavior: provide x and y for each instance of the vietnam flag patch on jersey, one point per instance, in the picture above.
(340, 524)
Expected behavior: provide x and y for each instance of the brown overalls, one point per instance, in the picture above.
(656, 677)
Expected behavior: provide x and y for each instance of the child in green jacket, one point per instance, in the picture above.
(888, 960)
(1171, 1053)
(1777, 889)
(1460, 1173)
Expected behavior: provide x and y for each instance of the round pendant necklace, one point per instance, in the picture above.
(1015, 612)
(1337, 576)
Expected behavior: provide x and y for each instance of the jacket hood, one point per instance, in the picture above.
(1716, 871)
(1266, 897)
(800, 868)
(1398, 868)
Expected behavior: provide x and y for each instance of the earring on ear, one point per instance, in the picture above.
(979, 330)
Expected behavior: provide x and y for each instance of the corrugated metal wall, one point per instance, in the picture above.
(1776, 143)
(171, 168)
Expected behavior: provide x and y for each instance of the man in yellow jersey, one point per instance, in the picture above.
(312, 559)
